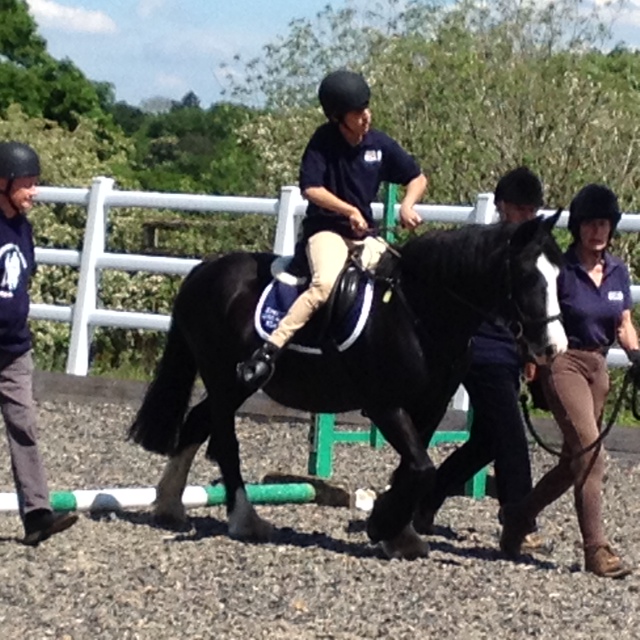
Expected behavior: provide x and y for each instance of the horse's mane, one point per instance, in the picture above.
(451, 255)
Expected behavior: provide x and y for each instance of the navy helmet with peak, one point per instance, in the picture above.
(593, 202)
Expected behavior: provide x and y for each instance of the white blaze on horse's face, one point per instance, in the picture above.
(556, 337)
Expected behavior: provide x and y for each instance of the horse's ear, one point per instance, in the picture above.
(530, 230)
(551, 221)
(526, 233)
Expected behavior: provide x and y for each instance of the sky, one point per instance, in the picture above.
(166, 48)
(149, 48)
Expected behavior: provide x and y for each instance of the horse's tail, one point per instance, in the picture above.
(158, 421)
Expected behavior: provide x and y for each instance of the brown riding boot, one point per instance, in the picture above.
(515, 528)
(604, 562)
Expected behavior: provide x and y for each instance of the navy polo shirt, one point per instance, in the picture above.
(17, 263)
(591, 315)
(494, 343)
(352, 173)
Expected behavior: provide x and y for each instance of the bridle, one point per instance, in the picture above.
(521, 319)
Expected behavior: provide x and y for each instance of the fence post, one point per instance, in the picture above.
(389, 217)
(286, 227)
(94, 245)
(485, 211)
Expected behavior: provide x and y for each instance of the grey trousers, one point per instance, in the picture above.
(18, 411)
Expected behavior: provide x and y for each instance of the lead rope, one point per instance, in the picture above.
(603, 433)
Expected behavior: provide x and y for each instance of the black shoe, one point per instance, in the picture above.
(42, 524)
(258, 369)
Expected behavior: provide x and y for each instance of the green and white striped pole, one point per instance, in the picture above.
(116, 499)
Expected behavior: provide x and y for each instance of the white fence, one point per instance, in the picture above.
(289, 208)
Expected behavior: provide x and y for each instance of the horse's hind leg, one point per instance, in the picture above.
(244, 522)
(168, 506)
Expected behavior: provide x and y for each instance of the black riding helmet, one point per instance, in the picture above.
(593, 202)
(519, 186)
(342, 91)
(18, 160)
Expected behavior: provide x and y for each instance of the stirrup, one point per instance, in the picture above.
(258, 369)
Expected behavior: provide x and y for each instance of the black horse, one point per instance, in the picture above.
(402, 371)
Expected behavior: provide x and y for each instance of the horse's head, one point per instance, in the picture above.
(534, 264)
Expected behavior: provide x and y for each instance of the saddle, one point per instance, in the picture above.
(337, 325)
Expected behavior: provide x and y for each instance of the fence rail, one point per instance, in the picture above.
(289, 209)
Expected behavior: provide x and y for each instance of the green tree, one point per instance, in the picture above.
(129, 118)
(41, 85)
(471, 89)
(192, 149)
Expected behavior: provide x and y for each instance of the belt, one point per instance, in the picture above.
(601, 350)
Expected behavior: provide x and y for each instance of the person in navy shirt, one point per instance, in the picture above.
(19, 172)
(496, 432)
(595, 300)
(342, 168)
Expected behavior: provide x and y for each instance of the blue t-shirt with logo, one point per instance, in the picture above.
(352, 173)
(591, 315)
(17, 263)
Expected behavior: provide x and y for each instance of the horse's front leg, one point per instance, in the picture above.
(390, 520)
(427, 415)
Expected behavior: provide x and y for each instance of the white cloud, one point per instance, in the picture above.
(204, 43)
(169, 81)
(75, 19)
(148, 7)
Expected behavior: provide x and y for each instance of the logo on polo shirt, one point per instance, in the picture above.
(616, 295)
(12, 264)
(373, 155)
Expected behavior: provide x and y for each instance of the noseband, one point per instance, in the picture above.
(522, 320)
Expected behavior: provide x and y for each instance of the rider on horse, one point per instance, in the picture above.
(340, 174)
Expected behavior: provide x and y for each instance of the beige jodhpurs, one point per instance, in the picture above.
(327, 253)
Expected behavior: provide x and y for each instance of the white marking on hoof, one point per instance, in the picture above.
(168, 503)
(245, 523)
(407, 545)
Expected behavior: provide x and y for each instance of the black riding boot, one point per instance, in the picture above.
(258, 369)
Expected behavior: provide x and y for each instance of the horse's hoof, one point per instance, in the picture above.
(254, 530)
(407, 545)
(170, 516)
(423, 522)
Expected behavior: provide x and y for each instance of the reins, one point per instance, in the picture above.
(635, 409)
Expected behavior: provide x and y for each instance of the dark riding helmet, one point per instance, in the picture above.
(342, 91)
(18, 160)
(519, 186)
(593, 202)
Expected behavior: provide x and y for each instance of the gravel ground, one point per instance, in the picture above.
(118, 576)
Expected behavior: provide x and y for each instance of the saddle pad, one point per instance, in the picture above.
(278, 297)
